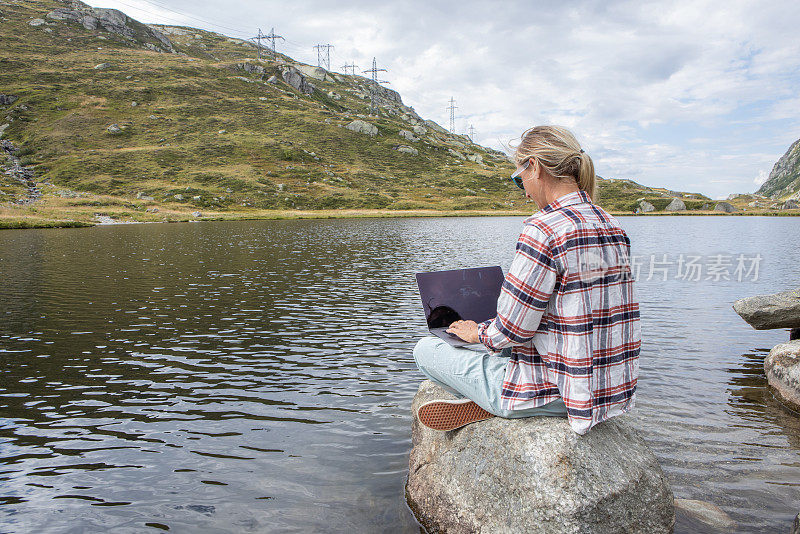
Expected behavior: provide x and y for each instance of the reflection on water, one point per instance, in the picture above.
(257, 376)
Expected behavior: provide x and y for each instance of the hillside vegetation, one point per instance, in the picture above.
(108, 117)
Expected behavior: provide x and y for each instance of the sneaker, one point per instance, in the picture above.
(451, 414)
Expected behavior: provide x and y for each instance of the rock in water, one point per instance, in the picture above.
(535, 475)
(782, 367)
(707, 512)
(763, 312)
(676, 205)
(360, 126)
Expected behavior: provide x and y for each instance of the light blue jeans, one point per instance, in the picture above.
(475, 374)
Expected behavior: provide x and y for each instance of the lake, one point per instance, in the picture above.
(257, 376)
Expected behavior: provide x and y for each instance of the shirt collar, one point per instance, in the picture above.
(576, 197)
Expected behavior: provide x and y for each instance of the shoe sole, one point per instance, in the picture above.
(449, 415)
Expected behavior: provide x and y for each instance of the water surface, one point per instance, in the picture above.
(257, 376)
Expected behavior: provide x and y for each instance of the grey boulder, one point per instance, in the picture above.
(676, 205)
(646, 207)
(295, 78)
(796, 526)
(364, 127)
(782, 367)
(764, 312)
(408, 150)
(727, 207)
(405, 134)
(534, 475)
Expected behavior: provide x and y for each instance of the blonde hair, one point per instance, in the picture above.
(560, 154)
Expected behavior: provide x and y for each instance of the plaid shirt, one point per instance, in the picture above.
(569, 310)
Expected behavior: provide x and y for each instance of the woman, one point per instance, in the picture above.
(566, 338)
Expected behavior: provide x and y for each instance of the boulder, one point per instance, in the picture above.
(405, 134)
(420, 130)
(706, 512)
(455, 154)
(7, 100)
(676, 205)
(534, 475)
(727, 207)
(196, 214)
(782, 367)
(763, 312)
(364, 127)
(273, 79)
(318, 73)
(646, 207)
(408, 150)
(295, 78)
(796, 526)
(101, 66)
(36, 22)
(114, 129)
(476, 158)
(3, 129)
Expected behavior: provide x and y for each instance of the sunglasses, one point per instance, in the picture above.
(515, 176)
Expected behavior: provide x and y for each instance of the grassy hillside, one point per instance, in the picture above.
(784, 180)
(202, 129)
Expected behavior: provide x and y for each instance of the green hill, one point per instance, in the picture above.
(108, 117)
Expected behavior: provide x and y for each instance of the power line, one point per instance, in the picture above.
(157, 5)
(452, 108)
(352, 68)
(272, 37)
(373, 107)
(327, 48)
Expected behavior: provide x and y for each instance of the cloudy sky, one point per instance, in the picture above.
(689, 95)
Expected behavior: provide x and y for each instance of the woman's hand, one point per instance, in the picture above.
(466, 330)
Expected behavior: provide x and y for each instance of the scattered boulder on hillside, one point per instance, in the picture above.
(251, 69)
(364, 127)
(112, 21)
(408, 150)
(101, 66)
(789, 205)
(273, 79)
(420, 130)
(782, 367)
(36, 22)
(726, 207)
(3, 129)
(7, 100)
(435, 127)
(114, 129)
(676, 205)
(646, 207)
(317, 73)
(456, 154)
(476, 158)
(535, 475)
(295, 79)
(405, 134)
(334, 96)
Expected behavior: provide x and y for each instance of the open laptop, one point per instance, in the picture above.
(468, 294)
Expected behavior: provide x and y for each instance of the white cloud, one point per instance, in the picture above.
(761, 178)
(668, 94)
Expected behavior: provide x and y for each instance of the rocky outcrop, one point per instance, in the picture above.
(317, 73)
(796, 526)
(14, 169)
(785, 176)
(408, 150)
(535, 475)
(295, 78)
(726, 207)
(763, 312)
(475, 158)
(646, 207)
(112, 21)
(405, 134)
(782, 367)
(7, 100)
(364, 127)
(676, 205)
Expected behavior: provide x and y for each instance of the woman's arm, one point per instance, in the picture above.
(525, 292)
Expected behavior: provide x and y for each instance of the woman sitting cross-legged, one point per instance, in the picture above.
(566, 338)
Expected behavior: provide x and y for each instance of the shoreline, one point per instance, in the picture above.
(32, 222)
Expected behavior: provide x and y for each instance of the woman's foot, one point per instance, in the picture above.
(451, 414)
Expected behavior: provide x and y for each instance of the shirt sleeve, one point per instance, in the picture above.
(525, 293)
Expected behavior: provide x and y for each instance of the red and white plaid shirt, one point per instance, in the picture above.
(569, 310)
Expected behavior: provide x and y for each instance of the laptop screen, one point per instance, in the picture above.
(469, 294)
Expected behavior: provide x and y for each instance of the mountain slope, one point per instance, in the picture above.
(117, 118)
(784, 180)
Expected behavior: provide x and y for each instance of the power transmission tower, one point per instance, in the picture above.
(258, 38)
(272, 37)
(452, 110)
(373, 106)
(327, 48)
(352, 68)
(471, 133)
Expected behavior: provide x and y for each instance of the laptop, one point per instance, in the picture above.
(460, 294)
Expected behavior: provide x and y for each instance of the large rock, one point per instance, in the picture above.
(727, 207)
(796, 526)
(295, 78)
(318, 73)
(364, 127)
(646, 207)
(763, 312)
(408, 150)
(706, 512)
(676, 205)
(535, 475)
(405, 134)
(782, 367)
(7, 100)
